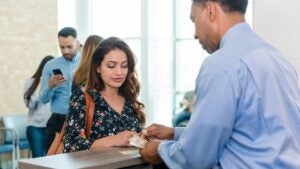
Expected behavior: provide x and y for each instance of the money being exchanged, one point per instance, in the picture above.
(137, 141)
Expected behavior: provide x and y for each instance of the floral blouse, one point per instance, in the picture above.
(106, 121)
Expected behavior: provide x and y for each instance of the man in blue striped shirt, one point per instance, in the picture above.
(247, 109)
(57, 80)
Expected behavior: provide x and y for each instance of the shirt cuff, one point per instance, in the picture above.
(177, 132)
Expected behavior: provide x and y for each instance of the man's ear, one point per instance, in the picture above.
(211, 10)
(78, 44)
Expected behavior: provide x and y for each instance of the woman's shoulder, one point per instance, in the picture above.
(79, 92)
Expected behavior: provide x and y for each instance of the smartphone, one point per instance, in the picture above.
(57, 72)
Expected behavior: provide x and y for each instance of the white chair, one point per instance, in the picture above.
(8, 144)
(18, 122)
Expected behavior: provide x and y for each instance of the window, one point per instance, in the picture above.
(161, 35)
(66, 13)
(113, 18)
(121, 18)
(189, 55)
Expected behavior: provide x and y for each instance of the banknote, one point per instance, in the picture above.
(137, 141)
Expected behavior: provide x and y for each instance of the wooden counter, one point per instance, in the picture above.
(108, 158)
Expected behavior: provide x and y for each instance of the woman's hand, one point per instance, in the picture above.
(121, 139)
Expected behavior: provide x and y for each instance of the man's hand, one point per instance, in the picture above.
(149, 153)
(55, 80)
(159, 132)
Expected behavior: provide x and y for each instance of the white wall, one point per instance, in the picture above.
(278, 22)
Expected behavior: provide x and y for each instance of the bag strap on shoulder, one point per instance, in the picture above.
(90, 107)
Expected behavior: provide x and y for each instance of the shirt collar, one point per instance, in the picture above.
(76, 57)
(233, 31)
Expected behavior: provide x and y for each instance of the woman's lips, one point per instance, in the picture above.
(117, 79)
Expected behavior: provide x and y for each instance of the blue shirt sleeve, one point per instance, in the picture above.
(207, 132)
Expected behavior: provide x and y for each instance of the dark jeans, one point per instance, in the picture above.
(36, 139)
(54, 125)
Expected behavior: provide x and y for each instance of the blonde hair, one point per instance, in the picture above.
(91, 43)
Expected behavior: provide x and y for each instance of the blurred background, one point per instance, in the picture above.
(159, 32)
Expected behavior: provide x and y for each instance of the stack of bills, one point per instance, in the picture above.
(137, 141)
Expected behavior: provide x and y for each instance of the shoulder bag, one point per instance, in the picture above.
(57, 145)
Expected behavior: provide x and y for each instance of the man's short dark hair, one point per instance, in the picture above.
(228, 5)
(67, 31)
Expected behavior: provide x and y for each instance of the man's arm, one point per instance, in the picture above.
(209, 129)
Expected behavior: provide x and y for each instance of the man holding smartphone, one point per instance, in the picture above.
(57, 80)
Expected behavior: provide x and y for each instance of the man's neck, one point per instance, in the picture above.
(71, 59)
(229, 21)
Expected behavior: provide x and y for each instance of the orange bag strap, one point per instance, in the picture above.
(62, 131)
(90, 107)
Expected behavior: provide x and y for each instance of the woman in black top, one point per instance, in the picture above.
(113, 83)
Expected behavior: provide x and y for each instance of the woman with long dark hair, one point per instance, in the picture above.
(39, 113)
(112, 82)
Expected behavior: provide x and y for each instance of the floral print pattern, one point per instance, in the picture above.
(106, 121)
